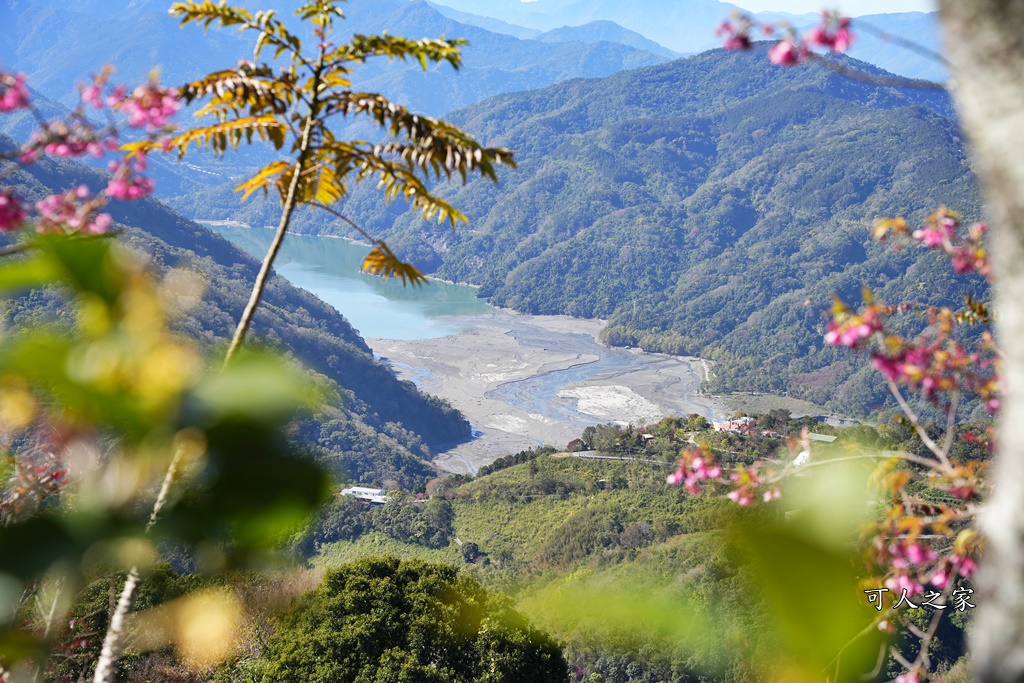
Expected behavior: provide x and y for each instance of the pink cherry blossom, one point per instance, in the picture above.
(71, 212)
(844, 36)
(12, 215)
(819, 35)
(129, 188)
(692, 485)
(741, 497)
(14, 94)
(784, 53)
(890, 367)
(150, 106)
(897, 583)
(736, 36)
(918, 555)
(116, 96)
(93, 95)
(936, 233)
(848, 335)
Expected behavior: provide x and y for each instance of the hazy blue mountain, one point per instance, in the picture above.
(489, 23)
(59, 44)
(684, 26)
(609, 31)
(688, 26)
(493, 63)
(137, 35)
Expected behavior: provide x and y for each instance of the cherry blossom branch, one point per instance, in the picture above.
(113, 640)
(148, 106)
(887, 81)
(947, 444)
(833, 33)
(915, 422)
(902, 42)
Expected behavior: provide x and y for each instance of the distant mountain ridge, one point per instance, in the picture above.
(137, 35)
(609, 31)
(493, 63)
(688, 26)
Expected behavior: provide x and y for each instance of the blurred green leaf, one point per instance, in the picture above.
(17, 646)
(803, 567)
(25, 273)
(10, 589)
(254, 490)
(86, 263)
(254, 386)
(30, 547)
(44, 360)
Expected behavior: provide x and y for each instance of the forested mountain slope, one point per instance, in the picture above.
(710, 206)
(377, 427)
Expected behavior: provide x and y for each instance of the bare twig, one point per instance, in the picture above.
(15, 248)
(341, 216)
(926, 640)
(902, 42)
(900, 659)
(113, 641)
(878, 665)
(951, 424)
(915, 422)
(885, 80)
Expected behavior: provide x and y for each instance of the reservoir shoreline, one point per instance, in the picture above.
(521, 380)
(524, 381)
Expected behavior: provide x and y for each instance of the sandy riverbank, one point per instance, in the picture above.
(526, 380)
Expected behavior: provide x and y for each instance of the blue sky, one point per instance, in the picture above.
(850, 7)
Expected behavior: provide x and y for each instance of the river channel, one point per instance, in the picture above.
(521, 380)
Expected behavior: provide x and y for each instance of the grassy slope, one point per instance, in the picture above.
(543, 519)
(547, 548)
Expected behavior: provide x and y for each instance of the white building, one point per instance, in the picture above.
(378, 496)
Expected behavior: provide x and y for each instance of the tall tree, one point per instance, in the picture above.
(292, 108)
(985, 45)
(385, 619)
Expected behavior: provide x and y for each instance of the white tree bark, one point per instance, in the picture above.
(985, 44)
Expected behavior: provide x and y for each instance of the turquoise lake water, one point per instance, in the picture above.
(330, 269)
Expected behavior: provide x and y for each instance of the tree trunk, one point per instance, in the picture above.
(985, 45)
(287, 208)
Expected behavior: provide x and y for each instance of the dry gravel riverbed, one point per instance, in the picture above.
(525, 380)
